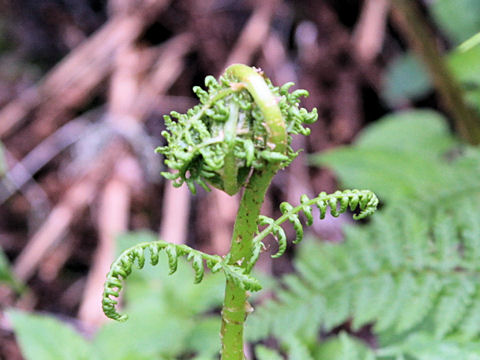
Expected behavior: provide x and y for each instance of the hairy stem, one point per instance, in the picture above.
(235, 306)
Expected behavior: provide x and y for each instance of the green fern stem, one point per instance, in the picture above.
(235, 307)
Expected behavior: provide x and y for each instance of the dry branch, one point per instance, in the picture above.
(165, 71)
(414, 25)
(253, 34)
(175, 214)
(369, 32)
(77, 197)
(23, 171)
(71, 82)
(112, 221)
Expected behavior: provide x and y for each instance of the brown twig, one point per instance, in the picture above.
(253, 34)
(115, 198)
(12, 182)
(49, 269)
(22, 172)
(54, 227)
(71, 82)
(175, 214)
(168, 67)
(413, 24)
(112, 221)
(77, 197)
(281, 68)
(165, 71)
(369, 32)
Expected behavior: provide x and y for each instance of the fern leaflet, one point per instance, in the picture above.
(122, 268)
(386, 274)
(339, 202)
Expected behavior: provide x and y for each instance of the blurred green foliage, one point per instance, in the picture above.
(406, 79)
(399, 156)
(412, 271)
(458, 19)
(167, 321)
(44, 337)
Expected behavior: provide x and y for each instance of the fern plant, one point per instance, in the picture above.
(236, 139)
(413, 271)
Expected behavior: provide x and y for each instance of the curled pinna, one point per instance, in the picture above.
(137, 256)
(338, 202)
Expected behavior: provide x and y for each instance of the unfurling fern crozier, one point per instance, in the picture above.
(237, 138)
(219, 141)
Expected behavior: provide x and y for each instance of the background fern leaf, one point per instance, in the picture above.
(264, 353)
(470, 324)
(456, 298)
(421, 303)
(406, 286)
(413, 269)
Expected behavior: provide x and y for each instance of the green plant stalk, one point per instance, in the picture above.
(235, 307)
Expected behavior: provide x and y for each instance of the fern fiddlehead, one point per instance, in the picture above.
(220, 140)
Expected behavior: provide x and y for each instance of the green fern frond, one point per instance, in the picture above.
(413, 270)
(470, 228)
(395, 273)
(297, 350)
(136, 255)
(429, 288)
(373, 294)
(339, 202)
(421, 345)
(470, 324)
(264, 353)
(343, 347)
(453, 303)
(405, 289)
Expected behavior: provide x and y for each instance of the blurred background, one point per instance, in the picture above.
(84, 85)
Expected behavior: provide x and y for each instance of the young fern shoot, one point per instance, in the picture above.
(236, 139)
